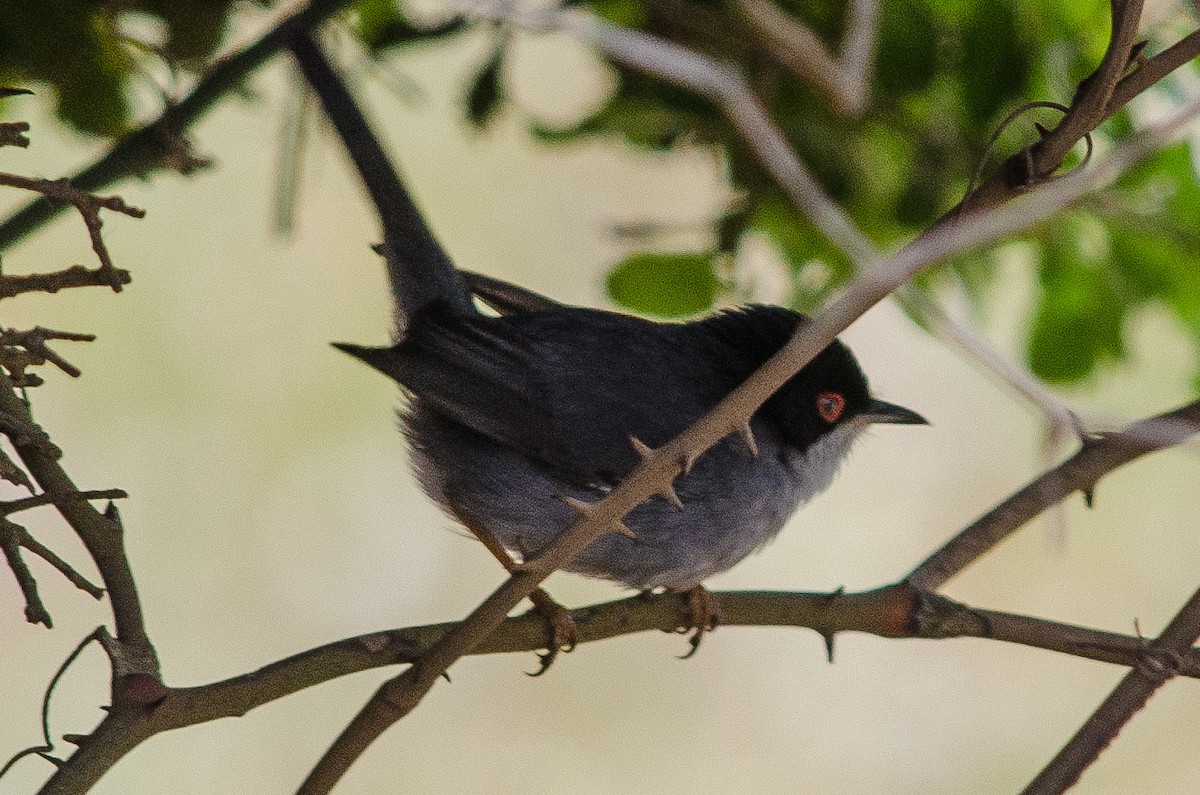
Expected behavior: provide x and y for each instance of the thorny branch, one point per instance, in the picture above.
(1158, 662)
(894, 611)
(89, 207)
(397, 697)
(22, 349)
(143, 706)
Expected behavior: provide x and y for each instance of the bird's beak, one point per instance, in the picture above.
(889, 413)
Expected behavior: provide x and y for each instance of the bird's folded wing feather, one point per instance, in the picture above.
(533, 383)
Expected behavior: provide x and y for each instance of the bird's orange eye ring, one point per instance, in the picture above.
(830, 406)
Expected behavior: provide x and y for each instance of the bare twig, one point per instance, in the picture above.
(860, 44)
(74, 276)
(842, 81)
(12, 133)
(13, 537)
(38, 500)
(10, 542)
(1100, 96)
(1158, 662)
(12, 473)
(89, 206)
(1020, 380)
(1148, 72)
(64, 568)
(99, 534)
(33, 341)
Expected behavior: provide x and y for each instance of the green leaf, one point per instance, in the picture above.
(381, 26)
(908, 52)
(996, 61)
(486, 93)
(1157, 268)
(194, 29)
(1154, 238)
(1078, 320)
(666, 285)
(626, 13)
(642, 122)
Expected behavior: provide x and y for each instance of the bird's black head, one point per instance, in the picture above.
(829, 392)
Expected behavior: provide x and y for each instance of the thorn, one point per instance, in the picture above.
(748, 437)
(828, 636)
(1089, 496)
(1135, 52)
(833, 595)
(620, 527)
(379, 249)
(446, 675)
(585, 509)
(686, 463)
(579, 505)
(1081, 431)
(643, 449)
(75, 739)
(1042, 132)
(113, 515)
(668, 493)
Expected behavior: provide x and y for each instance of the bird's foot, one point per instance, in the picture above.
(703, 614)
(561, 627)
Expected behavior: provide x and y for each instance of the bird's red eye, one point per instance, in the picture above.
(830, 405)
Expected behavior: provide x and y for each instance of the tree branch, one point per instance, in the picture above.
(842, 81)
(74, 276)
(893, 611)
(100, 533)
(399, 696)
(1148, 72)
(1158, 662)
(146, 148)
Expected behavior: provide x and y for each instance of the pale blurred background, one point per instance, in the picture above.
(271, 508)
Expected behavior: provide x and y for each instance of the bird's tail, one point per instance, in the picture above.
(419, 270)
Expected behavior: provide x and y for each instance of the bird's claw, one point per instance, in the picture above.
(563, 631)
(703, 615)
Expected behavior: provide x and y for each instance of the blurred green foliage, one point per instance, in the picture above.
(946, 72)
(82, 48)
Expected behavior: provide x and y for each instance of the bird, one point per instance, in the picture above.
(517, 416)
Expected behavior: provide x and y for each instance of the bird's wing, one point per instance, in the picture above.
(505, 297)
(484, 375)
(567, 387)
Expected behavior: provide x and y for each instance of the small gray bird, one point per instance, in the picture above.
(512, 418)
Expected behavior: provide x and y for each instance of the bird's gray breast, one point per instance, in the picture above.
(733, 502)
